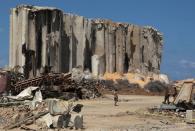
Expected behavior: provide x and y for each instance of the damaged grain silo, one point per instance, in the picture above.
(44, 36)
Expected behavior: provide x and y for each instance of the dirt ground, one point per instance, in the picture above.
(131, 114)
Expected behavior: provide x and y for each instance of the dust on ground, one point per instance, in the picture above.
(132, 114)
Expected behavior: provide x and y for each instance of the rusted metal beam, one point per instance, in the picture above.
(48, 79)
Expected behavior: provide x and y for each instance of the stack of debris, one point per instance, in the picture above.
(28, 107)
(28, 98)
(168, 113)
(78, 85)
(156, 86)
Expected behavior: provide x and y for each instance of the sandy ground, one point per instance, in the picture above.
(131, 114)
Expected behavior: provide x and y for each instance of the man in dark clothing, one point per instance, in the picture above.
(115, 98)
(171, 90)
(167, 95)
(174, 93)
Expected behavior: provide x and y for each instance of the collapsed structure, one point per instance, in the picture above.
(44, 36)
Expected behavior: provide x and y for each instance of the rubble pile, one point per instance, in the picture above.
(178, 116)
(50, 113)
(156, 86)
(77, 85)
(51, 84)
(28, 102)
(87, 88)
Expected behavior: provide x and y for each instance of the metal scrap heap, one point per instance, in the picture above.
(39, 99)
(60, 85)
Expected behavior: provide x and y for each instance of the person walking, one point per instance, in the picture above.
(115, 98)
(166, 97)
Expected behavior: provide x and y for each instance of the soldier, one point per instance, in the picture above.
(115, 98)
(171, 90)
(174, 93)
(167, 95)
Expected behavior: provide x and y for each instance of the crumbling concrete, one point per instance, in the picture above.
(44, 36)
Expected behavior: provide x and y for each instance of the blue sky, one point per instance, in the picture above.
(174, 18)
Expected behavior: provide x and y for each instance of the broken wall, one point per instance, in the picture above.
(44, 36)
